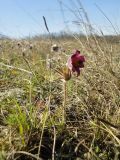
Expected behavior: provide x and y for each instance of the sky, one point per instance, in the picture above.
(20, 18)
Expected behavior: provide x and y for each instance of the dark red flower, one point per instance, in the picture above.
(75, 62)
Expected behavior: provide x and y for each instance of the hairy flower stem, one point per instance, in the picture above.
(64, 101)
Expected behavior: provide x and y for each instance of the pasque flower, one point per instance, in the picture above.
(76, 62)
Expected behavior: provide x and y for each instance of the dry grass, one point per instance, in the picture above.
(31, 101)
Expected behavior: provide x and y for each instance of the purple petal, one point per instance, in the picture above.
(78, 71)
(69, 64)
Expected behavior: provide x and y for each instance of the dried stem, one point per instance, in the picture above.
(64, 101)
(53, 150)
(13, 67)
(23, 153)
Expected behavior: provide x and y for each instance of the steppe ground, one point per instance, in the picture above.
(32, 95)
